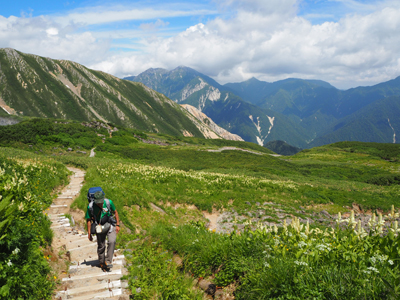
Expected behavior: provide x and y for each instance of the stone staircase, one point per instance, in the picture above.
(85, 279)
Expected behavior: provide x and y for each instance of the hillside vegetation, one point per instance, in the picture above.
(36, 86)
(254, 252)
(303, 113)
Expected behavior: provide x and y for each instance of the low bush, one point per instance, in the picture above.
(26, 186)
(154, 275)
(293, 262)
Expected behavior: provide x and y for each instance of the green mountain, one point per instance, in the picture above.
(376, 122)
(312, 104)
(225, 108)
(280, 147)
(35, 86)
(255, 91)
(303, 113)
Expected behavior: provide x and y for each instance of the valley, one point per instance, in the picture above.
(201, 219)
(207, 211)
(308, 113)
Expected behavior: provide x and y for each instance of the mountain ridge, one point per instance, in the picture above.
(220, 104)
(35, 86)
(308, 107)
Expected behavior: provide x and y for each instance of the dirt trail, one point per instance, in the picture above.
(213, 218)
(240, 149)
(85, 279)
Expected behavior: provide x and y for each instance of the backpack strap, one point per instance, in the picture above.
(91, 212)
(108, 205)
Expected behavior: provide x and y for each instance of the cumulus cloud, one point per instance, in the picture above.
(356, 50)
(265, 39)
(43, 36)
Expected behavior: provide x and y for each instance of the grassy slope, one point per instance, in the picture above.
(134, 173)
(31, 85)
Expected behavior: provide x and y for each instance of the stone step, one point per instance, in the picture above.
(73, 243)
(91, 271)
(60, 220)
(55, 215)
(98, 273)
(80, 242)
(85, 246)
(94, 263)
(94, 288)
(60, 226)
(58, 206)
(59, 210)
(107, 294)
(73, 239)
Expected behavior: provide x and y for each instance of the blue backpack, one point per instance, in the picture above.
(92, 190)
(90, 197)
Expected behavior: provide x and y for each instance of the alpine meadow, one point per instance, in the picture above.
(203, 218)
(220, 186)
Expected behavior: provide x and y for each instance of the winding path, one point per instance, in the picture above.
(92, 153)
(240, 149)
(85, 279)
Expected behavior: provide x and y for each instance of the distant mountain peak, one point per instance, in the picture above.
(253, 79)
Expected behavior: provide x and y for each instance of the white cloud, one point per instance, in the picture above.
(266, 39)
(153, 25)
(52, 31)
(356, 50)
(44, 37)
(103, 15)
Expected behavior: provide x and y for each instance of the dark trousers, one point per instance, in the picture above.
(101, 245)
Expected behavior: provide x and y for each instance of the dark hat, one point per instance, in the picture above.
(98, 197)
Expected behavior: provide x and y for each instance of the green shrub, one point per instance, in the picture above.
(26, 187)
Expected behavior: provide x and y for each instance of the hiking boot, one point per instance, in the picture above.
(104, 267)
(109, 265)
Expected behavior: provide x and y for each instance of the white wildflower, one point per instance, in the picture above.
(373, 269)
(351, 221)
(361, 233)
(393, 215)
(323, 247)
(300, 263)
(302, 244)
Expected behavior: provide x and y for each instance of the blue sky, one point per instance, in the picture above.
(345, 42)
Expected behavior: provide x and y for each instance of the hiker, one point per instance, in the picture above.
(100, 221)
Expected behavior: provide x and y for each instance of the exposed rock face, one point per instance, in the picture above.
(8, 121)
(208, 127)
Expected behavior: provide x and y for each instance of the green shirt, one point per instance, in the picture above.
(96, 211)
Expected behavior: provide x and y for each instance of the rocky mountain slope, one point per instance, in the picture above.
(208, 126)
(35, 86)
(187, 86)
(303, 113)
